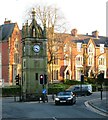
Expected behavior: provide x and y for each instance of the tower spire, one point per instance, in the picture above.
(33, 13)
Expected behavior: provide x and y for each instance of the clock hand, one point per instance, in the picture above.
(37, 48)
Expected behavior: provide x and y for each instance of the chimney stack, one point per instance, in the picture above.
(7, 21)
(95, 34)
(74, 32)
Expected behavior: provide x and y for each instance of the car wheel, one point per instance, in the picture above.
(56, 103)
(75, 102)
(72, 102)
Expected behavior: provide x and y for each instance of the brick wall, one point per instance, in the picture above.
(5, 61)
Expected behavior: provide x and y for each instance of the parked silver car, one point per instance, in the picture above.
(65, 97)
(81, 89)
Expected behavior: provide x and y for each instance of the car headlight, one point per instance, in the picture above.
(69, 98)
(57, 99)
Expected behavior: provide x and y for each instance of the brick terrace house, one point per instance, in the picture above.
(81, 54)
(90, 56)
(67, 69)
(10, 42)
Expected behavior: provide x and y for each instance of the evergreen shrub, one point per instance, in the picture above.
(10, 91)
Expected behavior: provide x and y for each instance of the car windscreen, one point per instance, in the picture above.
(64, 93)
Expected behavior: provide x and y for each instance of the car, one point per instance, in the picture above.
(66, 97)
(81, 89)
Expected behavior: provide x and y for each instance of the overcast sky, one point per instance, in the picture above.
(85, 15)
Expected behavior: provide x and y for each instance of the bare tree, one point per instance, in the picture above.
(49, 15)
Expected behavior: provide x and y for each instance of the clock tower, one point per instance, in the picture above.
(34, 57)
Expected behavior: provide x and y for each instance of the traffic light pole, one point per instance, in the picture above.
(20, 99)
(101, 91)
(43, 82)
(43, 93)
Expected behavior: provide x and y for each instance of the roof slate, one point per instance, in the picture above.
(100, 40)
(6, 31)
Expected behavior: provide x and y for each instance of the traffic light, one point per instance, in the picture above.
(45, 79)
(17, 79)
(41, 79)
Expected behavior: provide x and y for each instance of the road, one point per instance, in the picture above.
(30, 110)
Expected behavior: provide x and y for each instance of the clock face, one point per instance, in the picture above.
(36, 48)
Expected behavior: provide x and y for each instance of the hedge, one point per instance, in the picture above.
(55, 90)
(52, 88)
(72, 82)
(10, 91)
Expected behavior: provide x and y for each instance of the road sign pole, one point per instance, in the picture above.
(43, 94)
(82, 81)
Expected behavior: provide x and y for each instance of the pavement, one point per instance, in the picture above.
(98, 105)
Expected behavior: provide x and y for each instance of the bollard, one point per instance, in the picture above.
(40, 99)
(53, 97)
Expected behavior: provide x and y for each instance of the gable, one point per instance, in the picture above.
(91, 43)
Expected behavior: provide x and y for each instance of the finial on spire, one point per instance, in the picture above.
(33, 13)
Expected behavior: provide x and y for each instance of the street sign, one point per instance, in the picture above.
(44, 91)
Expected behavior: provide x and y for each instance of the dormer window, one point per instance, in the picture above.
(101, 48)
(79, 47)
(90, 49)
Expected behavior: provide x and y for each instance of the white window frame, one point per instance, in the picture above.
(101, 61)
(80, 61)
(101, 48)
(90, 49)
(79, 46)
(66, 60)
(90, 60)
